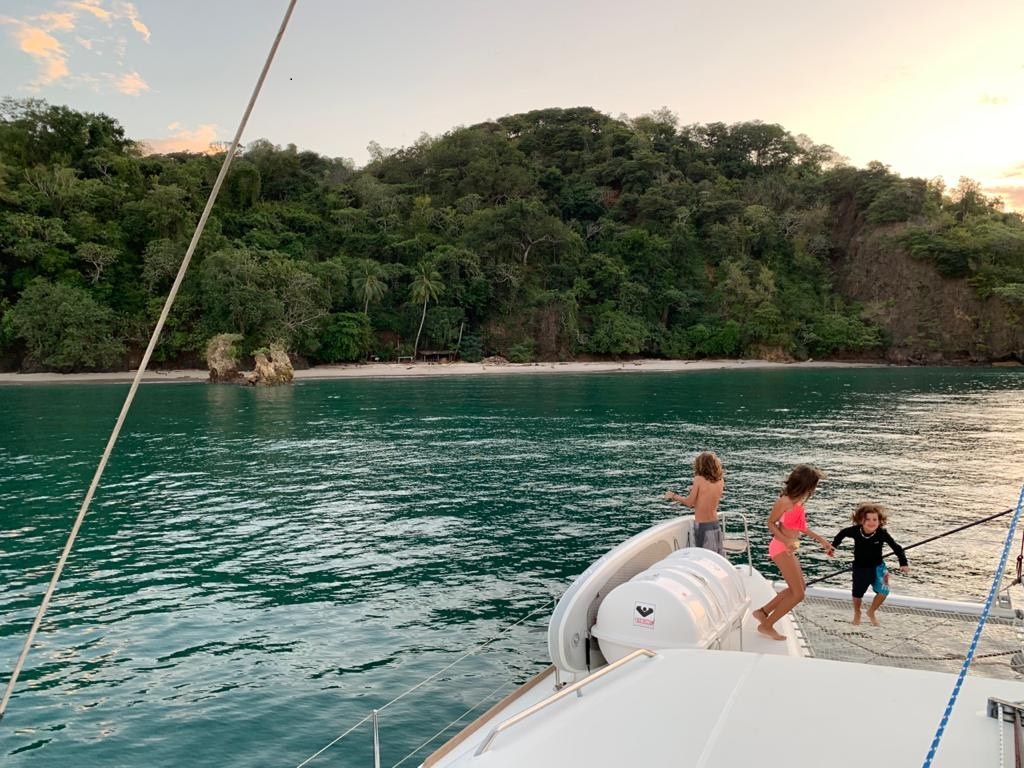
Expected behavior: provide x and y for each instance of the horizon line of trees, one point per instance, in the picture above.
(553, 234)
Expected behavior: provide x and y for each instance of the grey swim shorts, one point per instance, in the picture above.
(709, 536)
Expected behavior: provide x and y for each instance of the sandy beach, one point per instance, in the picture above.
(426, 370)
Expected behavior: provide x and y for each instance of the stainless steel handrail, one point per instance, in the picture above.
(534, 708)
(746, 535)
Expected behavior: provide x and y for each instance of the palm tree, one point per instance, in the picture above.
(368, 282)
(426, 285)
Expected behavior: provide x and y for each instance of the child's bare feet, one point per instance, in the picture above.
(764, 629)
(872, 619)
(760, 615)
(856, 618)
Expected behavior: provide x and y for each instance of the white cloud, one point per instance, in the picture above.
(1013, 172)
(53, 70)
(993, 100)
(184, 140)
(1012, 195)
(62, 21)
(1008, 185)
(37, 42)
(95, 7)
(48, 36)
(131, 83)
(45, 49)
(129, 12)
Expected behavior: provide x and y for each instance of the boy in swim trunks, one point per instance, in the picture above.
(705, 493)
(869, 535)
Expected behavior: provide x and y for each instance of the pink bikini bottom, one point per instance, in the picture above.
(776, 547)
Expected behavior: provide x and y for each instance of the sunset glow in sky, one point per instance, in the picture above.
(929, 88)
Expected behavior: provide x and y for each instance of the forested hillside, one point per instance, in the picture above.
(556, 234)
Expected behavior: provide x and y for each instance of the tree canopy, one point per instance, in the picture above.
(553, 234)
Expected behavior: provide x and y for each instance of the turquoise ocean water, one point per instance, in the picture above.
(261, 568)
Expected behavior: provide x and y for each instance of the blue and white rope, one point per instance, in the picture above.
(977, 633)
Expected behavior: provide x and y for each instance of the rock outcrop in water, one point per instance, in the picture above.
(222, 358)
(272, 367)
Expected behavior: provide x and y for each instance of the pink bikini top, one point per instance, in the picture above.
(795, 518)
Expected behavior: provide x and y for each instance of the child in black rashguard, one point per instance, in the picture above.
(869, 535)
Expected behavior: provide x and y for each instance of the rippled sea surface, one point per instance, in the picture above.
(263, 567)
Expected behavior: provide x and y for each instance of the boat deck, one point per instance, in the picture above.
(911, 638)
(719, 709)
(724, 709)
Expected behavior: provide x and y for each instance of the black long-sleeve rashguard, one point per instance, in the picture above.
(867, 548)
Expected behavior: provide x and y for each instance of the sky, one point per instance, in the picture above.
(930, 88)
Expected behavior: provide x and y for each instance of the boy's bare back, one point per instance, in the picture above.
(706, 494)
(703, 498)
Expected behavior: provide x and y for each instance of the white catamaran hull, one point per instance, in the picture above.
(728, 697)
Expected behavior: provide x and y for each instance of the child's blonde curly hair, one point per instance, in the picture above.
(861, 513)
(708, 466)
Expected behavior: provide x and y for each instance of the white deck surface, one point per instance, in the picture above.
(724, 709)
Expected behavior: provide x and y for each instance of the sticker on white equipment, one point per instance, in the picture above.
(643, 615)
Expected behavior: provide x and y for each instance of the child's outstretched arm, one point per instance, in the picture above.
(689, 499)
(825, 543)
(837, 539)
(900, 554)
(686, 501)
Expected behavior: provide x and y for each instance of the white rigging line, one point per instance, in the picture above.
(145, 361)
(456, 721)
(466, 655)
(328, 746)
(472, 651)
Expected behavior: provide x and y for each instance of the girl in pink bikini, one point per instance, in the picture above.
(787, 521)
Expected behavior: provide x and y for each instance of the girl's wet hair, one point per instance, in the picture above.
(861, 513)
(708, 466)
(802, 481)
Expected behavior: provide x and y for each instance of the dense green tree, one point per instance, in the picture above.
(617, 333)
(834, 332)
(368, 282)
(33, 133)
(553, 233)
(237, 294)
(64, 328)
(346, 338)
(426, 286)
(97, 257)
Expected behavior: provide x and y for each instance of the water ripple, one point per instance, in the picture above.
(262, 567)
